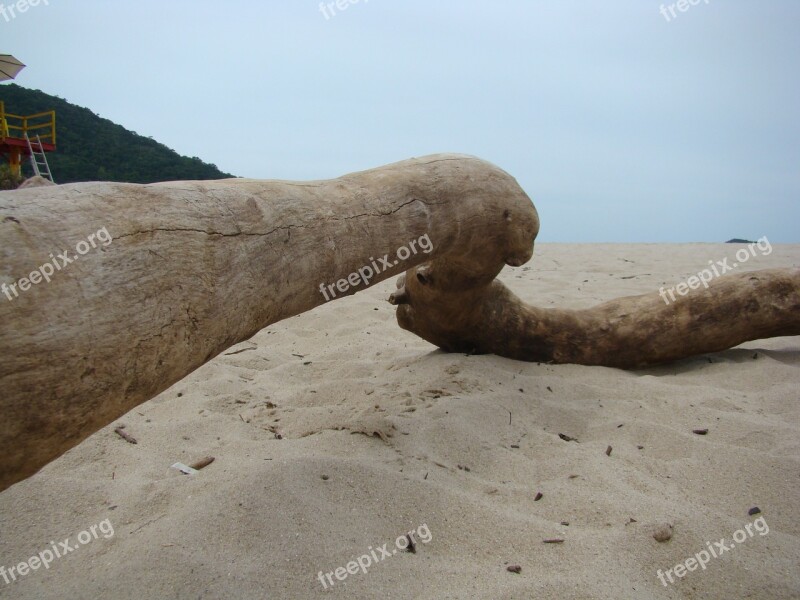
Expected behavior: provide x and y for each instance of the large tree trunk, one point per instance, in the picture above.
(196, 267)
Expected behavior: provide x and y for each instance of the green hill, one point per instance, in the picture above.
(91, 148)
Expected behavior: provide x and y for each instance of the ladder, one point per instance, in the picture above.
(38, 158)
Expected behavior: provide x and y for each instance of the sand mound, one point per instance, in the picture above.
(335, 433)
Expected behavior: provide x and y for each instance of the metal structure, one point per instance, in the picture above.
(38, 158)
(31, 136)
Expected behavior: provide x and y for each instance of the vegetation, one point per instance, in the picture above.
(8, 181)
(91, 148)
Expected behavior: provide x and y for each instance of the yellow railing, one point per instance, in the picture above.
(3, 126)
(42, 124)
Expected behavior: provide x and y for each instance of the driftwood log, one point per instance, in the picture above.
(634, 331)
(149, 282)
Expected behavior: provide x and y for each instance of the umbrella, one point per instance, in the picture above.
(9, 67)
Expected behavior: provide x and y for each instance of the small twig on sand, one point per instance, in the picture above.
(125, 435)
(202, 463)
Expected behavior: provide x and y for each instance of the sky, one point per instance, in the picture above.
(623, 120)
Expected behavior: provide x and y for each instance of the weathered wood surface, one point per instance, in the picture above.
(629, 332)
(196, 267)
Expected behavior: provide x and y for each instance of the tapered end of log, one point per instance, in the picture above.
(628, 332)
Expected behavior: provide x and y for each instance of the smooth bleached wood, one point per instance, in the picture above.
(196, 267)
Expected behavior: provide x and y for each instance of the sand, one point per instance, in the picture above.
(335, 432)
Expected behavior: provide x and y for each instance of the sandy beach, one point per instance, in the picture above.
(335, 433)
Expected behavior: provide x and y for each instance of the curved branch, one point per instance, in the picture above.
(627, 332)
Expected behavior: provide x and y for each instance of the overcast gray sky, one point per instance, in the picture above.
(622, 123)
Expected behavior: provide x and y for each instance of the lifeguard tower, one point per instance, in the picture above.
(32, 136)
